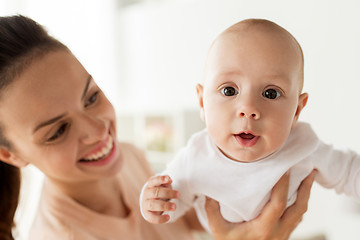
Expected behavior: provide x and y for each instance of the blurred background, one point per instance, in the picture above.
(148, 56)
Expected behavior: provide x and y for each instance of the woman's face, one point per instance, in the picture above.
(59, 120)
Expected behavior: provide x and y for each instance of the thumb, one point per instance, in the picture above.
(215, 219)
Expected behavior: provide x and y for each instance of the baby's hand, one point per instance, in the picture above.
(156, 199)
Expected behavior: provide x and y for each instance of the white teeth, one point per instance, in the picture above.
(102, 152)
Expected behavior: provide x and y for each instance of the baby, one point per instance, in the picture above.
(250, 100)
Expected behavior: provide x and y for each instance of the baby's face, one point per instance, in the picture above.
(251, 98)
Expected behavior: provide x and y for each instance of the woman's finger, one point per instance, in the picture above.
(293, 214)
(274, 209)
(305, 189)
(216, 221)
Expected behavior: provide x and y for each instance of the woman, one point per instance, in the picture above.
(54, 116)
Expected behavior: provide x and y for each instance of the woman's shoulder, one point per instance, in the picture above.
(130, 148)
(48, 228)
(134, 159)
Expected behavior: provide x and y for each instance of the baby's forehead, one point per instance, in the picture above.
(255, 23)
(254, 37)
(256, 27)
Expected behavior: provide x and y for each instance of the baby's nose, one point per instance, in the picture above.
(254, 115)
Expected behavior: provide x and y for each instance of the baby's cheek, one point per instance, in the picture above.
(278, 138)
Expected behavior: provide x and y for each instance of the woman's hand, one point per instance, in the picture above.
(275, 222)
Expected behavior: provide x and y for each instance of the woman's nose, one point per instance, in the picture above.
(94, 129)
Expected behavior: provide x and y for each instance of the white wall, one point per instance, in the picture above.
(87, 27)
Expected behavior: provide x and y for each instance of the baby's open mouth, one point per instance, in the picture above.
(247, 136)
(246, 139)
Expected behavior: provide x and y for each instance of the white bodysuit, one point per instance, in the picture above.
(242, 189)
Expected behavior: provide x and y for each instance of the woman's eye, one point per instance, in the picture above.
(229, 91)
(271, 94)
(58, 133)
(92, 99)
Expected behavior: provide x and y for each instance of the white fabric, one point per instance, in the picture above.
(243, 189)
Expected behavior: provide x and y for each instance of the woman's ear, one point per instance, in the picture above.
(10, 158)
(303, 98)
(200, 91)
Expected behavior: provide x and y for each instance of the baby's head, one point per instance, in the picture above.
(251, 95)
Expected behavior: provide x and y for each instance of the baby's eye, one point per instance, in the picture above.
(229, 91)
(271, 94)
(92, 99)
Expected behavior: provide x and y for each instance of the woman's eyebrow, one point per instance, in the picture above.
(54, 119)
(48, 122)
(86, 87)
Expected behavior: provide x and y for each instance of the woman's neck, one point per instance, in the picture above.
(103, 196)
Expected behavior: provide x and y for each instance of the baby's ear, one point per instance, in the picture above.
(10, 158)
(303, 98)
(200, 92)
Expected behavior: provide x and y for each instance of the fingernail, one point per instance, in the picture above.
(173, 206)
(165, 178)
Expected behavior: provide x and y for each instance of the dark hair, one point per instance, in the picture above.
(9, 190)
(22, 40)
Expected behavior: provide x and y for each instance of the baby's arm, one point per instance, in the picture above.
(338, 169)
(155, 199)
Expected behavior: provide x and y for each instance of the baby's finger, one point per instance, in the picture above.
(155, 181)
(155, 205)
(157, 218)
(161, 193)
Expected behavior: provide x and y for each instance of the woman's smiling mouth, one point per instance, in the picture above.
(101, 156)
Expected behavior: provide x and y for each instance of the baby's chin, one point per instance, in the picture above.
(246, 156)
